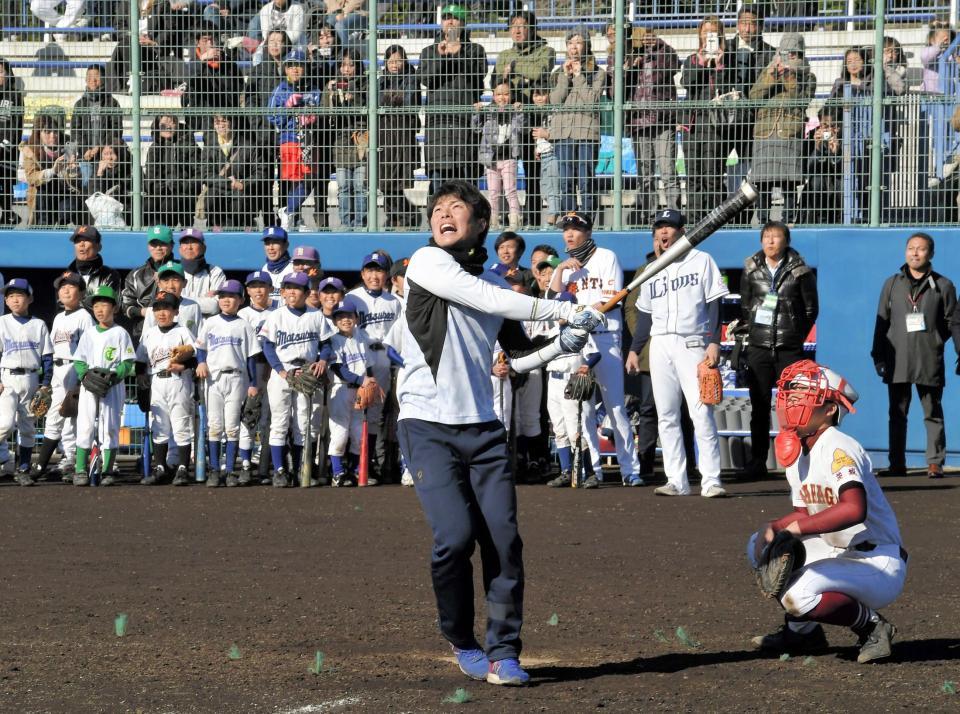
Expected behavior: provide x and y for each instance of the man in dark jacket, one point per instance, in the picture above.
(169, 184)
(141, 284)
(778, 306)
(95, 122)
(214, 82)
(88, 263)
(917, 310)
(452, 69)
(11, 131)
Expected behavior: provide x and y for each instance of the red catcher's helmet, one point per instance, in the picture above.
(806, 385)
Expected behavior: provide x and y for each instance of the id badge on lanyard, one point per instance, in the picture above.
(766, 309)
(915, 320)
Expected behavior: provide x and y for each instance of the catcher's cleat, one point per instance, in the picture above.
(876, 640)
(562, 480)
(786, 641)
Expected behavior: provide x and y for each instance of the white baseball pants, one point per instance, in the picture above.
(563, 417)
(56, 425)
(502, 400)
(285, 402)
(107, 430)
(609, 374)
(18, 390)
(171, 409)
(346, 423)
(225, 395)
(528, 405)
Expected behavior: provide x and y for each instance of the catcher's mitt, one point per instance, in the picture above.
(778, 559)
(40, 404)
(98, 381)
(70, 406)
(580, 387)
(303, 381)
(368, 395)
(250, 417)
(181, 354)
(711, 385)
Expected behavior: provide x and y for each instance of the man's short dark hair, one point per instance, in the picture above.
(925, 236)
(510, 235)
(525, 15)
(755, 10)
(544, 248)
(469, 194)
(776, 225)
(98, 67)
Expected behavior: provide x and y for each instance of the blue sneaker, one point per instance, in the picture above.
(507, 672)
(633, 480)
(473, 663)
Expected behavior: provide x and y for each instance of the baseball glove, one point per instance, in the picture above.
(70, 406)
(40, 404)
(303, 381)
(580, 387)
(98, 381)
(368, 395)
(250, 417)
(778, 559)
(181, 354)
(711, 385)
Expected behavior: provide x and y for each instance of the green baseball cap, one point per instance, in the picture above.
(104, 292)
(160, 233)
(171, 266)
(457, 11)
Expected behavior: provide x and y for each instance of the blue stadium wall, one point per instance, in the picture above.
(851, 263)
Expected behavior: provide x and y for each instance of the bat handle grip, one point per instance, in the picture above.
(614, 301)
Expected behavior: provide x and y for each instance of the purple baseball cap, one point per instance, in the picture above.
(192, 234)
(231, 287)
(258, 276)
(306, 252)
(18, 284)
(296, 280)
(335, 283)
(378, 259)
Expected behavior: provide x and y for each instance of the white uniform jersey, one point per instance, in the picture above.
(677, 297)
(155, 346)
(351, 353)
(277, 279)
(254, 317)
(598, 281)
(376, 313)
(24, 344)
(104, 349)
(203, 282)
(66, 331)
(816, 479)
(228, 342)
(297, 338)
(189, 315)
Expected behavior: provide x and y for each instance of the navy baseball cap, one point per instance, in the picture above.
(165, 299)
(296, 280)
(69, 278)
(669, 217)
(231, 287)
(335, 283)
(85, 233)
(345, 307)
(378, 259)
(18, 284)
(271, 233)
(306, 252)
(576, 219)
(192, 234)
(258, 276)
(295, 57)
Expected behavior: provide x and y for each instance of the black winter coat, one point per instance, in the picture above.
(95, 274)
(171, 166)
(96, 121)
(797, 305)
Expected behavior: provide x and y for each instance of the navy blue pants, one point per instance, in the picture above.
(463, 480)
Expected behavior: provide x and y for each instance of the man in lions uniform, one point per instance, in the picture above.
(855, 562)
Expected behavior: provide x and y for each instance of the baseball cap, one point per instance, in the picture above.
(550, 262)
(457, 11)
(18, 284)
(399, 267)
(274, 233)
(295, 57)
(345, 307)
(296, 280)
(192, 234)
(165, 299)
(258, 276)
(576, 219)
(378, 259)
(669, 217)
(85, 233)
(69, 278)
(160, 234)
(306, 252)
(335, 283)
(104, 292)
(171, 266)
(231, 287)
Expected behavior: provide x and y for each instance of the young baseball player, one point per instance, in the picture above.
(679, 312)
(26, 366)
(67, 327)
(226, 352)
(259, 287)
(103, 359)
(450, 437)
(167, 353)
(171, 279)
(855, 562)
(331, 291)
(279, 264)
(294, 338)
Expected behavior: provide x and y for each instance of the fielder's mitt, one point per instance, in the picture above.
(368, 395)
(778, 559)
(711, 385)
(181, 354)
(580, 387)
(303, 381)
(40, 404)
(70, 406)
(250, 417)
(98, 381)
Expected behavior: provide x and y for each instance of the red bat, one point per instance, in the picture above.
(362, 473)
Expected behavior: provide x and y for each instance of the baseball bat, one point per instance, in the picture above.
(96, 458)
(145, 452)
(576, 479)
(716, 219)
(362, 472)
(306, 460)
(200, 461)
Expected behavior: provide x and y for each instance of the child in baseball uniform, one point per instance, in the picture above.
(103, 359)
(279, 264)
(854, 561)
(332, 291)
(226, 354)
(259, 291)
(294, 338)
(171, 279)
(25, 366)
(67, 327)
(171, 388)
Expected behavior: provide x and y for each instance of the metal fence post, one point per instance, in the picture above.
(136, 168)
(618, 119)
(876, 127)
(373, 150)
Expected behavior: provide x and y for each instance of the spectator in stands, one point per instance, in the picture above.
(452, 69)
(169, 184)
(161, 62)
(853, 91)
(350, 139)
(399, 90)
(281, 15)
(46, 12)
(785, 87)
(349, 20)
(937, 201)
(112, 175)
(214, 82)
(53, 175)
(261, 81)
(11, 131)
(823, 193)
(549, 171)
(323, 55)
(708, 77)
(894, 68)
(96, 121)
(575, 133)
(939, 38)
(650, 68)
(229, 164)
(523, 65)
(500, 126)
(233, 18)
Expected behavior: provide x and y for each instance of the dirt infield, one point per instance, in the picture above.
(283, 574)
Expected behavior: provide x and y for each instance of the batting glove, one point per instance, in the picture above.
(572, 339)
(585, 317)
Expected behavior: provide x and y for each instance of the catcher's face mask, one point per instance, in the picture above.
(805, 386)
